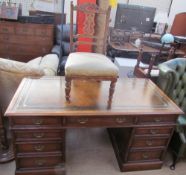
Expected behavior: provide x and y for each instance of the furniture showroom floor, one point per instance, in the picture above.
(89, 152)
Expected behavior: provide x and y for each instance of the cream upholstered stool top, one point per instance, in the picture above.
(90, 64)
(84, 65)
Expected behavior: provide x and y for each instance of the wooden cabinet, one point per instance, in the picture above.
(25, 41)
(39, 147)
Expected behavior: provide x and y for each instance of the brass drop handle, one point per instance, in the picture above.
(39, 147)
(157, 119)
(38, 135)
(120, 120)
(153, 131)
(145, 155)
(83, 120)
(40, 162)
(5, 29)
(38, 121)
(149, 142)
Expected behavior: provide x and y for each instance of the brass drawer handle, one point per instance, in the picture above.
(38, 135)
(83, 120)
(39, 147)
(153, 131)
(120, 120)
(40, 162)
(38, 121)
(145, 155)
(5, 30)
(149, 142)
(157, 119)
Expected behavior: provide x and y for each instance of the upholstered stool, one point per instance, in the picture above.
(90, 66)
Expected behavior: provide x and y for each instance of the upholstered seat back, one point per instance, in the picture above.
(172, 80)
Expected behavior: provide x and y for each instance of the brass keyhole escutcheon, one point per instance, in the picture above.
(145, 155)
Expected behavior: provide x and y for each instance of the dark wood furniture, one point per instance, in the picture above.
(141, 121)
(155, 55)
(25, 41)
(91, 13)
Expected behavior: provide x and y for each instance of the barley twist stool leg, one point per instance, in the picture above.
(67, 89)
(111, 91)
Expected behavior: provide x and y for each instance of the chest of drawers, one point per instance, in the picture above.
(39, 144)
(25, 41)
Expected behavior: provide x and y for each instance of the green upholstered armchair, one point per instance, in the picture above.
(172, 80)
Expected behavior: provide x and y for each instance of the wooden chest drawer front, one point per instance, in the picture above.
(153, 131)
(25, 30)
(44, 32)
(30, 40)
(145, 155)
(39, 147)
(39, 135)
(100, 121)
(23, 49)
(4, 38)
(38, 121)
(40, 161)
(140, 142)
(7, 29)
(157, 119)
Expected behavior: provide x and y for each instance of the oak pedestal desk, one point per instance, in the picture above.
(140, 122)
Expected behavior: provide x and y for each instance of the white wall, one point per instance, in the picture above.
(178, 6)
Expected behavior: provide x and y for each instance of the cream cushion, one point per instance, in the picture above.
(90, 64)
(17, 67)
(40, 66)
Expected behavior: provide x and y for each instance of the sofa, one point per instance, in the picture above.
(11, 74)
(172, 80)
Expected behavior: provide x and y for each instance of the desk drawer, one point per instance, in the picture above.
(37, 121)
(39, 135)
(145, 155)
(7, 29)
(99, 121)
(141, 142)
(39, 161)
(158, 119)
(153, 131)
(39, 147)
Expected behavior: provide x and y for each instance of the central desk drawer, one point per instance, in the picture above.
(99, 121)
(39, 147)
(38, 121)
(40, 161)
(145, 155)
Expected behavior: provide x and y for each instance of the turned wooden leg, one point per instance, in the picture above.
(67, 89)
(111, 92)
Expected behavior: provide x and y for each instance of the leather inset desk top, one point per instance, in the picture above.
(46, 96)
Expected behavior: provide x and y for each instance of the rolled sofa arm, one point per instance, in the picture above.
(167, 78)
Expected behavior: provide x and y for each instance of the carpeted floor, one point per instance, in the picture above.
(89, 152)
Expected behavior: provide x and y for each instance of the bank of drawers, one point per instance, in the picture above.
(39, 143)
(149, 143)
(24, 41)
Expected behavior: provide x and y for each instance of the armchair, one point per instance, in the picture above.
(172, 80)
(11, 74)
